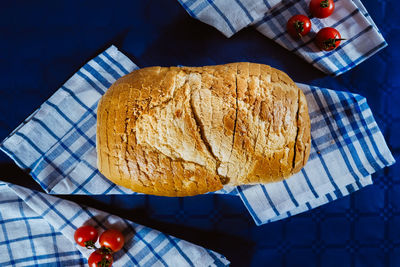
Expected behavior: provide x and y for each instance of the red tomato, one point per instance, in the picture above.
(112, 239)
(322, 8)
(86, 236)
(328, 39)
(98, 259)
(298, 26)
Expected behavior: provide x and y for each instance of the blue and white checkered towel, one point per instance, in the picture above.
(57, 145)
(37, 230)
(350, 18)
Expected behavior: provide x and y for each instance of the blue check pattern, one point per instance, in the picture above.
(346, 148)
(37, 230)
(350, 18)
(57, 145)
(228, 16)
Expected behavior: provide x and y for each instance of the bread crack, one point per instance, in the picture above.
(234, 123)
(256, 115)
(107, 139)
(175, 188)
(125, 134)
(203, 138)
(297, 132)
(144, 173)
(236, 111)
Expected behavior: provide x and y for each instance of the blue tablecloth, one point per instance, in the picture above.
(44, 43)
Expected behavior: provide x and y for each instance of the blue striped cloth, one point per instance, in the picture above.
(346, 148)
(57, 145)
(350, 18)
(38, 230)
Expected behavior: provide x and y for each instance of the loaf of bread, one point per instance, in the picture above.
(183, 131)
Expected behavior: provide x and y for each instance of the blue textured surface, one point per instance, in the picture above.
(44, 43)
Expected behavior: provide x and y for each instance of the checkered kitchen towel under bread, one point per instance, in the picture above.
(269, 17)
(38, 230)
(57, 145)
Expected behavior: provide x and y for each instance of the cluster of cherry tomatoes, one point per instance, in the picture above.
(299, 25)
(110, 241)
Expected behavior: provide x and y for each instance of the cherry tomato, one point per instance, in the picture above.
(328, 39)
(86, 236)
(112, 239)
(98, 259)
(322, 8)
(298, 26)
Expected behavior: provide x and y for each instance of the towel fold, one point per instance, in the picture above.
(37, 229)
(346, 148)
(350, 18)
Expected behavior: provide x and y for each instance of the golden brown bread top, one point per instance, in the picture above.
(183, 131)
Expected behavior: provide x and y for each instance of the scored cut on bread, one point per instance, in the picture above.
(183, 131)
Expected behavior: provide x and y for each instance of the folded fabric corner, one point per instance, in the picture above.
(48, 225)
(362, 37)
(228, 17)
(347, 147)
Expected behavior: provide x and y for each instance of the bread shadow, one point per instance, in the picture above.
(11, 173)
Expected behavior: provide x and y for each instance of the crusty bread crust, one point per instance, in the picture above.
(183, 131)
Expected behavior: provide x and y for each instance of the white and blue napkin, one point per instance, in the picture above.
(56, 144)
(346, 148)
(38, 230)
(269, 17)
